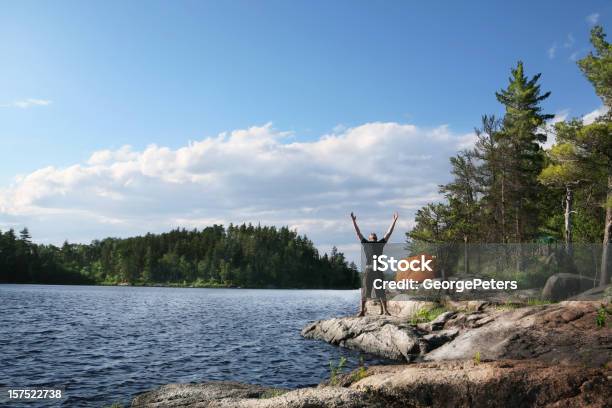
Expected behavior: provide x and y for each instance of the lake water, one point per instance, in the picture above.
(106, 344)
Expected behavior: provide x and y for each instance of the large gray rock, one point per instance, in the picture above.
(181, 395)
(445, 384)
(439, 322)
(559, 333)
(436, 339)
(504, 383)
(562, 286)
(601, 293)
(385, 336)
(225, 394)
(546, 332)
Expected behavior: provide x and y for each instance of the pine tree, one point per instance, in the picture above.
(597, 137)
(521, 136)
(24, 236)
(147, 272)
(564, 170)
(597, 67)
(491, 180)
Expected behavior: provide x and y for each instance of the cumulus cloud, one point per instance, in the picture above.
(592, 116)
(259, 174)
(27, 103)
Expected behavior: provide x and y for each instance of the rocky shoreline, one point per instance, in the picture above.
(546, 332)
(443, 384)
(469, 354)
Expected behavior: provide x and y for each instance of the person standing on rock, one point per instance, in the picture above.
(373, 246)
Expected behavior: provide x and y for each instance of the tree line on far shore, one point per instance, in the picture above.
(509, 189)
(236, 256)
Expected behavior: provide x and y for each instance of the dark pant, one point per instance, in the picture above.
(367, 284)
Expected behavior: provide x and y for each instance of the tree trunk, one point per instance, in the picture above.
(519, 240)
(569, 201)
(594, 263)
(466, 255)
(503, 209)
(605, 251)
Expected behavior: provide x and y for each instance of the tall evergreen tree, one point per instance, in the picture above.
(597, 137)
(521, 136)
(491, 180)
(597, 67)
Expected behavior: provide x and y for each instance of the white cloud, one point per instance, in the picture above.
(104, 156)
(568, 44)
(592, 116)
(560, 116)
(26, 103)
(563, 115)
(592, 18)
(250, 175)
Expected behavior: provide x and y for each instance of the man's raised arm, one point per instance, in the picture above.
(359, 235)
(390, 230)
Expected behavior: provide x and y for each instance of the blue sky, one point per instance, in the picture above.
(80, 77)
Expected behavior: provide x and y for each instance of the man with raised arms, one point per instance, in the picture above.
(373, 247)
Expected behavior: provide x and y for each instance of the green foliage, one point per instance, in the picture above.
(477, 358)
(538, 302)
(244, 255)
(426, 314)
(583, 153)
(508, 306)
(361, 372)
(335, 370)
(534, 275)
(597, 66)
(595, 139)
(275, 392)
(432, 224)
(495, 193)
(601, 316)
(522, 157)
(563, 169)
(508, 190)
(529, 302)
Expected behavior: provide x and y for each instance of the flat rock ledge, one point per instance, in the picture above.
(564, 333)
(518, 383)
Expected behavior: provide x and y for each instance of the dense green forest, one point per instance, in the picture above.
(245, 256)
(509, 189)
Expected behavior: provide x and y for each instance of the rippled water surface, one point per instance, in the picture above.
(106, 344)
